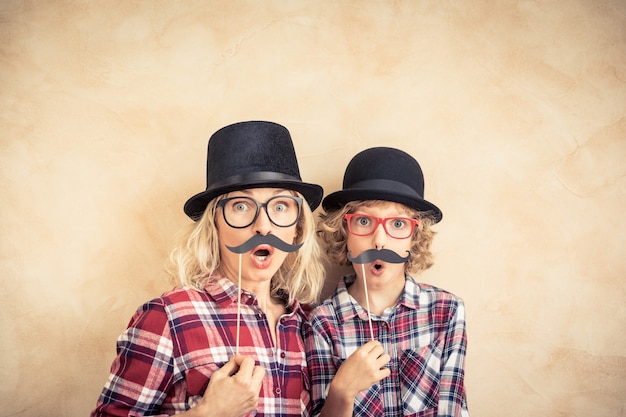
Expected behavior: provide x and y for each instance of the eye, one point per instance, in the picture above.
(363, 221)
(282, 204)
(398, 223)
(240, 205)
(280, 207)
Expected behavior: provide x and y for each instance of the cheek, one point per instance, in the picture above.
(287, 234)
(401, 246)
(230, 236)
(356, 245)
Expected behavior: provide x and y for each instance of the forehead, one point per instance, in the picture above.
(260, 193)
(379, 207)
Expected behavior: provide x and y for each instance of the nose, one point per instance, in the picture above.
(262, 225)
(380, 236)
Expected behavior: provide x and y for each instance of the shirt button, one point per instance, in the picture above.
(282, 355)
(277, 391)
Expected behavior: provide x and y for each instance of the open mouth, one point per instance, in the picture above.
(262, 254)
(378, 266)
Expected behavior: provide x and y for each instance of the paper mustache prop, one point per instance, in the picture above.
(372, 255)
(259, 239)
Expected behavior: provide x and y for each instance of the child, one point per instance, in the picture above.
(383, 344)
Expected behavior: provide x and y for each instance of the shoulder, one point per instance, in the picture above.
(170, 302)
(437, 293)
(433, 298)
(334, 310)
(326, 309)
(182, 295)
(330, 306)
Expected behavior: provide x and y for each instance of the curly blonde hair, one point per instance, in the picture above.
(333, 232)
(196, 255)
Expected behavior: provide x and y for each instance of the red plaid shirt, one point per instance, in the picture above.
(424, 333)
(174, 343)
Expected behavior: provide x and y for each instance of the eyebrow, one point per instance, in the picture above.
(278, 191)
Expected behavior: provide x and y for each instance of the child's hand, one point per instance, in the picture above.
(361, 370)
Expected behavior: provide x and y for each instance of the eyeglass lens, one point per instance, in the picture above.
(240, 212)
(396, 227)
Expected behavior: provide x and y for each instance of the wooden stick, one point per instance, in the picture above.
(367, 302)
(238, 306)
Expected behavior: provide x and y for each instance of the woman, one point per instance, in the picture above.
(227, 340)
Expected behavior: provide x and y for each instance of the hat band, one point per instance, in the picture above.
(253, 177)
(385, 185)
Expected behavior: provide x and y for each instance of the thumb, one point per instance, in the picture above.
(229, 369)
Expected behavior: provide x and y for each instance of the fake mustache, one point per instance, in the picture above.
(259, 239)
(385, 255)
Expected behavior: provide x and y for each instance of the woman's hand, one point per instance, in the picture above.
(233, 390)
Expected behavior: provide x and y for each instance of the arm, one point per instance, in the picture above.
(144, 362)
(144, 371)
(452, 400)
(333, 390)
(359, 372)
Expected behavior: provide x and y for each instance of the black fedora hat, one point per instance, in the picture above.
(253, 154)
(383, 173)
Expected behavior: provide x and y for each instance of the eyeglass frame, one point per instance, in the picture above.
(380, 221)
(297, 199)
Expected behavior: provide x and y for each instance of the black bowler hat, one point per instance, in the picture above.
(253, 154)
(383, 174)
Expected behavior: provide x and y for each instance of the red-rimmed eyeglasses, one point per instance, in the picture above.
(365, 225)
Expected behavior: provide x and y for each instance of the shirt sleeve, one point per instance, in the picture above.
(452, 398)
(142, 372)
(320, 364)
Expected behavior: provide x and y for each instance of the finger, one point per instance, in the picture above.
(383, 360)
(258, 373)
(246, 367)
(229, 368)
(372, 345)
(383, 373)
(376, 351)
(238, 358)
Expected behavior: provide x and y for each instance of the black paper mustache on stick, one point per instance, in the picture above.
(259, 239)
(385, 255)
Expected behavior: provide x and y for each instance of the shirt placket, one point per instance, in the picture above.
(279, 358)
(388, 388)
(272, 364)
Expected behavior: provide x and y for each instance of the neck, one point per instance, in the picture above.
(380, 298)
(261, 290)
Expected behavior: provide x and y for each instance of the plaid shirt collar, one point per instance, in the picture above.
(348, 308)
(224, 292)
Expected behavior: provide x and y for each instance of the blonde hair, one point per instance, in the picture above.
(196, 256)
(333, 232)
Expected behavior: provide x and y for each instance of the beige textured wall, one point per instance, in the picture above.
(516, 110)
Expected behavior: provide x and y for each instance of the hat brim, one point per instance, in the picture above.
(196, 205)
(339, 199)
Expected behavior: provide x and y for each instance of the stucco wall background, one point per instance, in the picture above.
(515, 109)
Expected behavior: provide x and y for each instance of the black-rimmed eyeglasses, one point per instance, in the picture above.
(240, 212)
